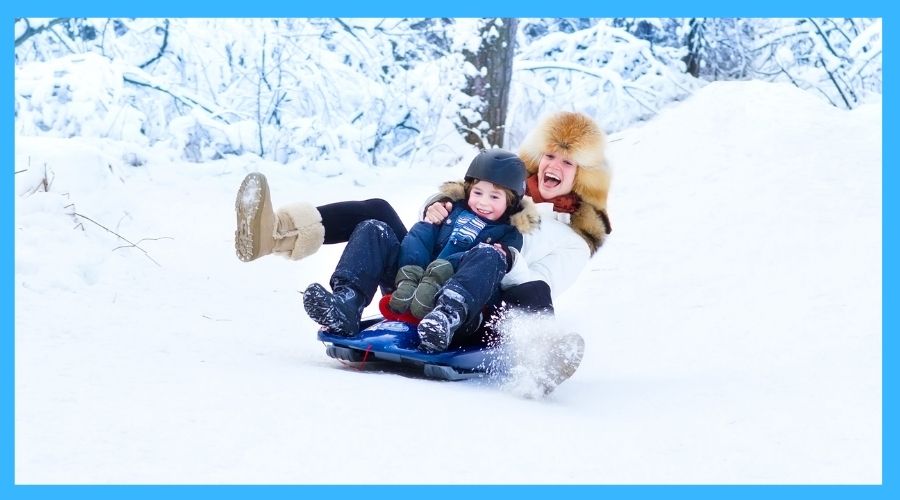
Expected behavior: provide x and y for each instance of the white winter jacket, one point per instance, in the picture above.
(553, 253)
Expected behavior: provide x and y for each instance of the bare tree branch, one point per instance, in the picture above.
(824, 37)
(130, 244)
(861, 68)
(30, 32)
(834, 81)
(162, 48)
(185, 99)
(347, 28)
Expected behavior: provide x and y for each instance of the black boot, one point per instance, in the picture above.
(437, 327)
(339, 312)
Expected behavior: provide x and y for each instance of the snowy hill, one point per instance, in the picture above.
(733, 320)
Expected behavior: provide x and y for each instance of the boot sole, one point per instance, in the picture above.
(319, 305)
(568, 353)
(432, 338)
(249, 198)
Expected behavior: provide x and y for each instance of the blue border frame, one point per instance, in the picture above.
(7, 268)
(459, 8)
(889, 303)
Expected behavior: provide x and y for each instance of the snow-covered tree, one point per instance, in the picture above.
(284, 89)
(488, 71)
(601, 70)
(716, 47)
(839, 59)
(400, 91)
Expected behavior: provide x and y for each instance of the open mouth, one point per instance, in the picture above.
(551, 180)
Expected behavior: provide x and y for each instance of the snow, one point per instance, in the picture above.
(732, 319)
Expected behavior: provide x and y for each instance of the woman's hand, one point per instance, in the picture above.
(437, 212)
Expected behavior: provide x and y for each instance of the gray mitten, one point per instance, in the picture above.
(436, 274)
(408, 278)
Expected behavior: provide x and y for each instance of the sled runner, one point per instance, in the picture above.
(392, 345)
(397, 343)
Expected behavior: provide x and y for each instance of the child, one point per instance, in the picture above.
(475, 241)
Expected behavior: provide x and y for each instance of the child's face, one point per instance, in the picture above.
(487, 200)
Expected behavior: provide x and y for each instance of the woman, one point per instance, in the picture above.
(568, 179)
(569, 182)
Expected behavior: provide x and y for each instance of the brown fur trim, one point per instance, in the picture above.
(592, 225)
(525, 220)
(455, 190)
(592, 186)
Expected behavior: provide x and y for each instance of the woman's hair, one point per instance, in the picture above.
(512, 199)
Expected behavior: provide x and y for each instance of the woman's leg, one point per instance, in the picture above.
(299, 229)
(341, 218)
(532, 296)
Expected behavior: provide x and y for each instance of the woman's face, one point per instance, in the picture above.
(556, 175)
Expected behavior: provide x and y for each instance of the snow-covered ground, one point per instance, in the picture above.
(733, 320)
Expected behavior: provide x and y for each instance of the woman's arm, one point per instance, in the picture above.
(438, 206)
(437, 212)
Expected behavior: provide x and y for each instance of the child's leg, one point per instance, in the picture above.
(369, 260)
(459, 304)
(477, 278)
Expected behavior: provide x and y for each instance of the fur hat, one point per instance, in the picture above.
(577, 137)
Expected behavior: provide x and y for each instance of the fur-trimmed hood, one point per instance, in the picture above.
(525, 220)
(577, 137)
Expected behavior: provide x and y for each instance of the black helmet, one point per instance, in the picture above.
(500, 167)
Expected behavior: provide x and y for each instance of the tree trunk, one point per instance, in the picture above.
(694, 46)
(493, 62)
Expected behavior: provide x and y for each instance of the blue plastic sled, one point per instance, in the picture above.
(396, 342)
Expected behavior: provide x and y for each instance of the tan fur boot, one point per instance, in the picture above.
(295, 231)
(299, 232)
